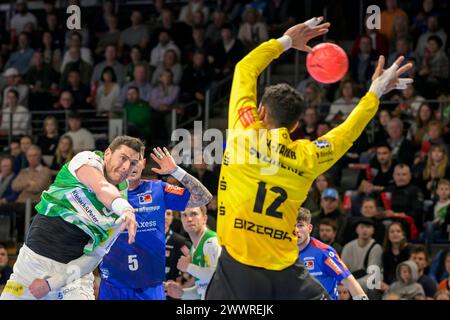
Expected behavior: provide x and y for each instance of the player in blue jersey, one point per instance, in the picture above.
(137, 272)
(322, 261)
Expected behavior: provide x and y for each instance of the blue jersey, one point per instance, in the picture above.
(324, 264)
(142, 264)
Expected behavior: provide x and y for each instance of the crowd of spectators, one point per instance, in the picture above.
(146, 63)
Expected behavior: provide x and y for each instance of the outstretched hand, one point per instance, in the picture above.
(303, 32)
(165, 161)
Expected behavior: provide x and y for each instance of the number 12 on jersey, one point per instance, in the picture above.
(272, 208)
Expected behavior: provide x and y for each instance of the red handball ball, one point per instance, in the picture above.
(327, 63)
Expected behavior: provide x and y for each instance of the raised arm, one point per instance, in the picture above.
(243, 111)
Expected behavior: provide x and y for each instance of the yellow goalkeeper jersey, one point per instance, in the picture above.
(265, 176)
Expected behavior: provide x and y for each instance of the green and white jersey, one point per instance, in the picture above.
(75, 203)
(204, 256)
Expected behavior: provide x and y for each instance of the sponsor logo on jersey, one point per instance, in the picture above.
(333, 266)
(322, 144)
(83, 205)
(174, 189)
(14, 288)
(148, 209)
(260, 229)
(309, 264)
(145, 198)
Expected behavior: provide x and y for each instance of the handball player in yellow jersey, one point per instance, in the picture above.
(265, 176)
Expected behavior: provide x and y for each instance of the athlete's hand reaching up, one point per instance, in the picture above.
(165, 161)
(303, 32)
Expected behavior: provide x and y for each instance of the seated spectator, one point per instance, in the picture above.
(214, 30)
(80, 91)
(85, 53)
(406, 285)
(139, 115)
(5, 269)
(433, 29)
(379, 42)
(83, 140)
(135, 59)
(419, 25)
(419, 128)
(420, 256)
(56, 32)
(343, 292)
(362, 65)
(63, 154)
(442, 295)
(330, 209)
(180, 31)
(307, 128)
(314, 96)
(252, 30)
(312, 202)
(110, 61)
(327, 234)
(409, 104)
(84, 68)
(100, 24)
(434, 168)
(187, 12)
(323, 127)
(51, 53)
(199, 169)
(65, 103)
(199, 43)
(387, 18)
(362, 253)
(227, 53)
(20, 161)
(111, 37)
(108, 93)
(165, 43)
(436, 227)
(400, 29)
(14, 149)
(22, 18)
(402, 48)
(403, 150)
(7, 176)
(135, 35)
(280, 16)
(13, 81)
(381, 134)
(170, 62)
(140, 82)
(15, 118)
(196, 78)
(21, 58)
(384, 167)
(395, 250)
(445, 284)
(49, 139)
(342, 106)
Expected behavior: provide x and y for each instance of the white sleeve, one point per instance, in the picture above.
(85, 157)
(211, 250)
(86, 263)
(190, 294)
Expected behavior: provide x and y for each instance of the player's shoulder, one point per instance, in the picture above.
(323, 247)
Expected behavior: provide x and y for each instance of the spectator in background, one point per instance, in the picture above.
(436, 228)
(442, 294)
(136, 34)
(163, 99)
(5, 269)
(379, 42)
(63, 154)
(21, 58)
(395, 250)
(101, 21)
(51, 54)
(307, 128)
(84, 68)
(384, 167)
(65, 103)
(420, 256)
(312, 202)
(188, 11)
(342, 106)
(13, 80)
(402, 47)
(165, 43)
(445, 284)
(83, 140)
(14, 149)
(381, 134)
(433, 29)
(196, 78)
(111, 37)
(418, 130)
(406, 285)
(108, 93)
(139, 115)
(343, 292)
(409, 104)
(20, 161)
(362, 253)
(76, 40)
(252, 31)
(49, 139)
(433, 136)
(400, 31)
(180, 31)
(199, 170)
(323, 127)
(15, 118)
(199, 43)
(136, 59)
(55, 30)
(330, 209)
(7, 195)
(80, 91)
(363, 64)
(170, 62)
(227, 53)
(140, 82)
(403, 150)
(314, 96)
(327, 234)
(419, 24)
(110, 61)
(22, 17)
(214, 30)
(387, 18)
(280, 16)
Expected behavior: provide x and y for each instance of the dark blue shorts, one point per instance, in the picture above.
(109, 292)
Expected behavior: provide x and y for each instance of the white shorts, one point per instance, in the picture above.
(30, 266)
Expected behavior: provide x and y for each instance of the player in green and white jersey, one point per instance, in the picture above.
(201, 260)
(75, 219)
